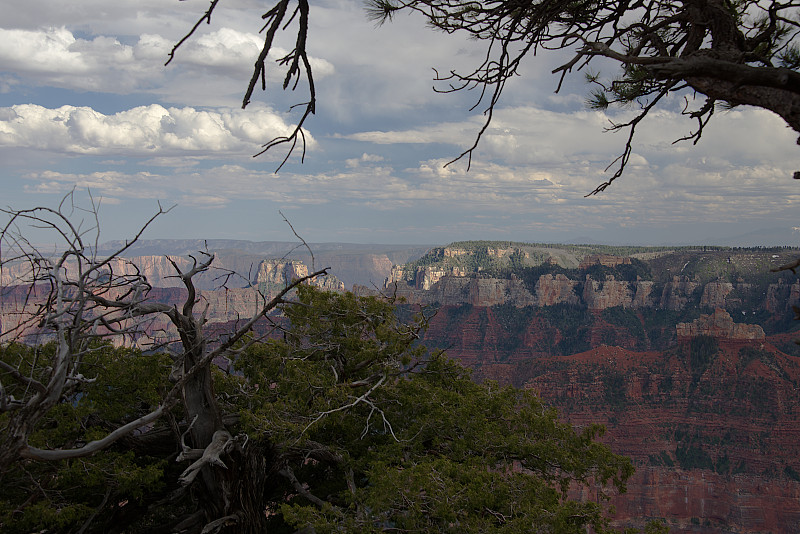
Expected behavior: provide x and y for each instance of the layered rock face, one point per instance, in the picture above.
(719, 325)
(158, 270)
(452, 288)
(225, 305)
(715, 294)
(423, 277)
(717, 448)
(277, 274)
(608, 293)
(714, 430)
(274, 275)
(550, 275)
(558, 289)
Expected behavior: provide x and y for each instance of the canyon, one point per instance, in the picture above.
(687, 356)
(688, 359)
(713, 426)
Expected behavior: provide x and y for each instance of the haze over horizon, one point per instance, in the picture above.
(86, 103)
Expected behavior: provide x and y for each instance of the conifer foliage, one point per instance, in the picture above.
(340, 421)
(727, 52)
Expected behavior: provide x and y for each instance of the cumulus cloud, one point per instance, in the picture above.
(364, 159)
(142, 131)
(533, 167)
(493, 199)
(56, 57)
(236, 51)
(546, 138)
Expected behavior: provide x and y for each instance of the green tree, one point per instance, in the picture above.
(344, 422)
(63, 496)
(428, 451)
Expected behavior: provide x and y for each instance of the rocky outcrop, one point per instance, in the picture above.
(494, 292)
(782, 296)
(279, 273)
(556, 289)
(452, 287)
(454, 252)
(274, 275)
(665, 280)
(715, 293)
(678, 292)
(427, 276)
(423, 277)
(644, 297)
(719, 325)
(599, 295)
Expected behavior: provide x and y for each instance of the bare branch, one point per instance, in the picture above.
(287, 473)
(361, 399)
(788, 267)
(206, 17)
(313, 261)
(220, 444)
(738, 53)
(92, 447)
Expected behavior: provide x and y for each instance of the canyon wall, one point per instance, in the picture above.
(452, 288)
(716, 445)
(719, 325)
(226, 306)
(712, 422)
(274, 275)
(705, 405)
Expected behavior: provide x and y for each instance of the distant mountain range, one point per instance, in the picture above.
(761, 237)
(362, 264)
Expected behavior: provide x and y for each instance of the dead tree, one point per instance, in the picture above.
(75, 299)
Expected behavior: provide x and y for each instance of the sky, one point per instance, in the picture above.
(86, 104)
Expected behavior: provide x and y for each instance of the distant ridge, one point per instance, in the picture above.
(352, 263)
(149, 247)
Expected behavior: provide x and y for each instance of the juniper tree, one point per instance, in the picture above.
(338, 420)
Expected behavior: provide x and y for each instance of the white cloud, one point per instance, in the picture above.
(525, 196)
(236, 51)
(55, 57)
(533, 167)
(142, 131)
(533, 136)
(365, 158)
